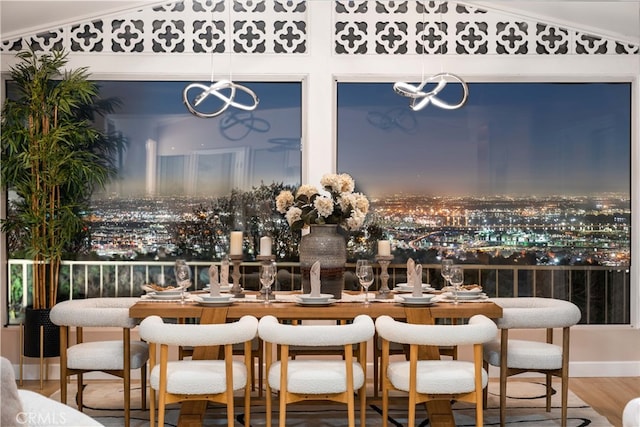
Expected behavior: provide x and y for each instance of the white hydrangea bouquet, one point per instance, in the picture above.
(337, 203)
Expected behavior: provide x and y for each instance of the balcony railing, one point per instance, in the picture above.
(602, 293)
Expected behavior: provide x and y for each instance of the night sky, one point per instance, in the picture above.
(509, 138)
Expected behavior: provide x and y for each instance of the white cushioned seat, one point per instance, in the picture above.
(316, 376)
(116, 357)
(521, 355)
(193, 379)
(436, 377)
(525, 354)
(106, 354)
(313, 379)
(440, 379)
(198, 376)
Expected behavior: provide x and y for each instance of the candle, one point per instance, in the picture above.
(265, 246)
(384, 248)
(236, 243)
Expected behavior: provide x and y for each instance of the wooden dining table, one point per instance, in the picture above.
(192, 412)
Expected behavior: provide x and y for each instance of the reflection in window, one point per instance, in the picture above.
(186, 182)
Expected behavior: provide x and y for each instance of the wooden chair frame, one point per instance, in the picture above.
(125, 373)
(416, 398)
(227, 397)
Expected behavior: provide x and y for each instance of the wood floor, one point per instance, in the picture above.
(608, 396)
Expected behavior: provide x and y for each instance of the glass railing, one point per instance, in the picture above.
(602, 293)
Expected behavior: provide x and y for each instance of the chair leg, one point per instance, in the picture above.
(485, 391)
(126, 375)
(80, 390)
(504, 340)
(152, 406)
(548, 391)
(385, 405)
(143, 386)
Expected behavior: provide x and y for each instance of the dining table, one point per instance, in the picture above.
(286, 309)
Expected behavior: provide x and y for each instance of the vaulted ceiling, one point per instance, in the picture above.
(619, 19)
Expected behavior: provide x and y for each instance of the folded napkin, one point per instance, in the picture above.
(224, 272)
(417, 281)
(314, 277)
(214, 284)
(411, 271)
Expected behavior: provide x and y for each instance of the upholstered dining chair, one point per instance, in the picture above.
(440, 379)
(316, 379)
(115, 357)
(631, 413)
(211, 380)
(257, 353)
(515, 356)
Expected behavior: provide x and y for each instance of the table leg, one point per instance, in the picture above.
(440, 413)
(192, 412)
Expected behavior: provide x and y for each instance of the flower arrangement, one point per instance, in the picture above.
(336, 204)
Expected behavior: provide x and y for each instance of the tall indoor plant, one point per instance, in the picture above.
(53, 159)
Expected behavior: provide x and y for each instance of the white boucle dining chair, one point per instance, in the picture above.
(515, 356)
(631, 413)
(316, 379)
(211, 380)
(115, 357)
(440, 379)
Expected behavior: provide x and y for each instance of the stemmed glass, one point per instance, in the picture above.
(359, 264)
(457, 278)
(365, 275)
(445, 270)
(267, 277)
(183, 277)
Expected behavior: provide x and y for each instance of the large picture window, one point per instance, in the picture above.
(522, 165)
(525, 174)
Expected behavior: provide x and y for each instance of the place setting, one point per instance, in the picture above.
(315, 298)
(215, 297)
(415, 292)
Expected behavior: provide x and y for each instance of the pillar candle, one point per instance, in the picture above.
(384, 248)
(265, 246)
(236, 243)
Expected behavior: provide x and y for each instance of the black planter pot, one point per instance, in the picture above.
(33, 320)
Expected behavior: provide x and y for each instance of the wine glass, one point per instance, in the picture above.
(445, 270)
(267, 277)
(183, 277)
(359, 264)
(365, 276)
(457, 278)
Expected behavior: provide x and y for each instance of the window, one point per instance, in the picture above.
(525, 174)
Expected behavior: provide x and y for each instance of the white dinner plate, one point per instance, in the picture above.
(403, 287)
(411, 299)
(471, 292)
(215, 303)
(172, 291)
(309, 298)
(209, 298)
(166, 296)
(316, 303)
(465, 296)
(417, 303)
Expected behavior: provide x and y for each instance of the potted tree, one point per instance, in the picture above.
(53, 159)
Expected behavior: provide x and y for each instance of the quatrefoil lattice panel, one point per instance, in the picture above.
(360, 27)
(190, 26)
(364, 27)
